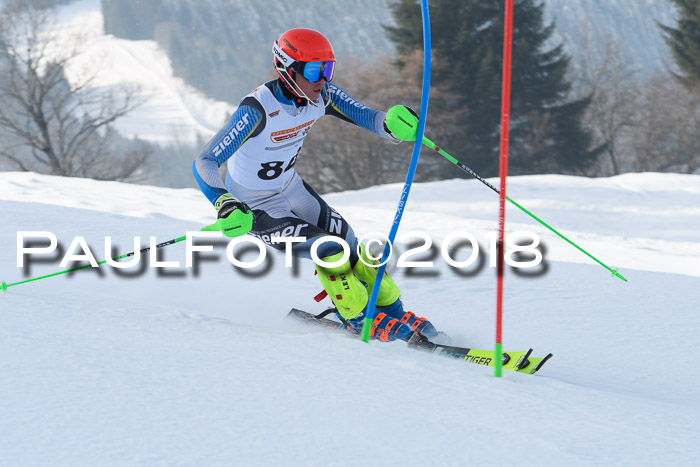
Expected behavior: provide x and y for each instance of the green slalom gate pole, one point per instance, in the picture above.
(403, 125)
(143, 250)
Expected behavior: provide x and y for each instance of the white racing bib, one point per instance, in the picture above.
(266, 161)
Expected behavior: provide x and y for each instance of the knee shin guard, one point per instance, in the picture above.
(349, 295)
(388, 291)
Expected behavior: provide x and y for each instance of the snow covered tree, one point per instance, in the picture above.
(47, 123)
(467, 37)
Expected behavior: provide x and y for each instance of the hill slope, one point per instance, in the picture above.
(205, 369)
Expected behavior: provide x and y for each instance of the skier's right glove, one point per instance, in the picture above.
(234, 217)
(227, 204)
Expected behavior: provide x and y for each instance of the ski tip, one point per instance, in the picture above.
(544, 360)
(4, 286)
(300, 315)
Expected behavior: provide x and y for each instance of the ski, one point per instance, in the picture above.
(321, 320)
(519, 361)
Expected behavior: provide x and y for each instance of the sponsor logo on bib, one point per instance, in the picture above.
(291, 133)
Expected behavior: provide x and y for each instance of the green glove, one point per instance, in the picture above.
(234, 216)
(402, 122)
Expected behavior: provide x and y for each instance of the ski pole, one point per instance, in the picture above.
(402, 124)
(235, 225)
(5, 286)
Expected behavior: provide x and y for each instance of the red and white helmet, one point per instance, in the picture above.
(306, 52)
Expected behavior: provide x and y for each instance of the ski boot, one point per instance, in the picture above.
(415, 323)
(388, 301)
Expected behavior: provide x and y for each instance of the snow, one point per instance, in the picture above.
(173, 111)
(204, 368)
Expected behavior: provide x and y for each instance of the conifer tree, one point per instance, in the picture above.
(684, 40)
(467, 39)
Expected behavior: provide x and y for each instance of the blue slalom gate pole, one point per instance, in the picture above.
(371, 305)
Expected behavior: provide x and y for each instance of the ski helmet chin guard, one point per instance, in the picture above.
(294, 50)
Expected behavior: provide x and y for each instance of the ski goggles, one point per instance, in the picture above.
(314, 71)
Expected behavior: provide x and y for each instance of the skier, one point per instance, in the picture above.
(261, 142)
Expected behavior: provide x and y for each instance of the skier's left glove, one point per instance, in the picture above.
(392, 137)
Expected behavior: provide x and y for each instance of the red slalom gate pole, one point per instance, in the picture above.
(503, 173)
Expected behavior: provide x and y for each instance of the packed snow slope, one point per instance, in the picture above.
(185, 367)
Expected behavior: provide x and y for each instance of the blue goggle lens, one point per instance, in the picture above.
(314, 71)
